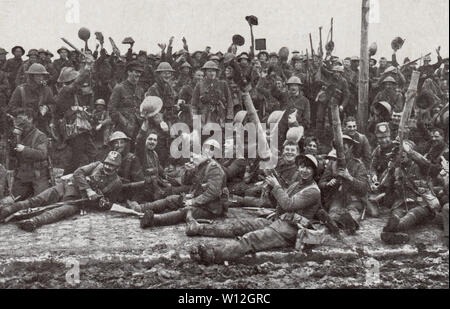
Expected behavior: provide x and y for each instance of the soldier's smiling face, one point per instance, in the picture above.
(109, 169)
(211, 73)
(290, 152)
(151, 142)
(166, 76)
(351, 127)
(119, 145)
(311, 148)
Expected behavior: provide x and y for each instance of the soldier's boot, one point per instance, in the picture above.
(156, 207)
(212, 230)
(347, 223)
(170, 218)
(48, 217)
(7, 211)
(323, 216)
(414, 217)
(202, 254)
(392, 224)
(391, 233)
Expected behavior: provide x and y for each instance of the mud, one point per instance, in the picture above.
(111, 251)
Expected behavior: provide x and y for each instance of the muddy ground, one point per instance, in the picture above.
(106, 250)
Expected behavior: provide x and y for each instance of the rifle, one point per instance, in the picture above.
(414, 61)
(31, 212)
(337, 128)
(77, 50)
(320, 43)
(114, 46)
(311, 44)
(50, 163)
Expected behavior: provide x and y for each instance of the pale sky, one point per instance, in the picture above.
(41, 23)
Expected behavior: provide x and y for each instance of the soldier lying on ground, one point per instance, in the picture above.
(94, 181)
(295, 207)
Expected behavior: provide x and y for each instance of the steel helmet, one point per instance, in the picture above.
(186, 65)
(243, 55)
(63, 48)
(385, 105)
(212, 142)
(284, 52)
(228, 57)
(68, 74)
(239, 117)
(100, 102)
(151, 106)
(164, 67)
(427, 58)
(3, 51)
(294, 80)
(397, 43)
(214, 58)
(118, 135)
(338, 68)
(275, 117)
(32, 52)
(114, 158)
(37, 68)
(389, 79)
(297, 57)
(210, 65)
(332, 154)
(84, 34)
(312, 159)
(128, 40)
(294, 134)
(373, 48)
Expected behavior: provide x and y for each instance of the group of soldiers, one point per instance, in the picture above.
(115, 114)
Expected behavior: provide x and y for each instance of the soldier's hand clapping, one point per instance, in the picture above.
(272, 181)
(19, 148)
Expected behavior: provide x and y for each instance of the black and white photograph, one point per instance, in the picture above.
(204, 147)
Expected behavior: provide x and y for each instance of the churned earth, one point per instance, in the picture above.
(107, 250)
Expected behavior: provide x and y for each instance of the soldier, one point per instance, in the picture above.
(295, 206)
(362, 149)
(101, 121)
(35, 94)
(130, 170)
(33, 57)
(212, 99)
(74, 119)
(147, 77)
(383, 66)
(297, 102)
(153, 121)
(163, 89)
(11, 67)
(205, 198)
(381, 154)
(427, 70)
(346, 189)
(97, 183)
(415, 203)
(299, 69)
(125, 100)
(5, 89)
(390, 94)
(63, 60)
(32, 172)
(103, 76)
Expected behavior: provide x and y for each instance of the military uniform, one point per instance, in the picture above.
(345, 196)
(168, 95)
(411, 182)
(300, 104)
(212, 100)
(5, 90)
(11, 67)
(32, 174)
(91, 176)
(394, 98)
(208, 181)
(82, 144)
(294, 205)
(124, 103)
(33, 96)
(362, 150)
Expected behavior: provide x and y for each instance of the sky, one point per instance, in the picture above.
(41, 23)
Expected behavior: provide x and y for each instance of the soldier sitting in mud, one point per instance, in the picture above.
(95, 181)
(415, 203)
(204, 200)
(295, 207)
